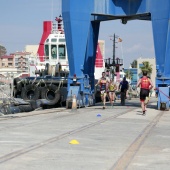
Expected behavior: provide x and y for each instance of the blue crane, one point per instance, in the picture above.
(81, 24)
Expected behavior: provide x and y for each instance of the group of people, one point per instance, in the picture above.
(108, 87)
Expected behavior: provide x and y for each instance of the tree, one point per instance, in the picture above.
(129, 74)
(2, 50)
(146, 67)
(134, 64)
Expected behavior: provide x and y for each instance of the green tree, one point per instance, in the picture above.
(2, 50)
(146, 67)
(129, 74)
(134, 64)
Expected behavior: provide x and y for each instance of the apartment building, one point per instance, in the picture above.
(21, 61)
(7, 61)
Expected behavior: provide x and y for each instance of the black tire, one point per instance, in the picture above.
(17, 94)
(33, 104)
(14, 109)
(16, 80)
(30, 92)
(25, 108)
(17, 84)
(51, 94)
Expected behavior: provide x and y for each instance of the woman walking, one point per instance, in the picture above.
(112, 87)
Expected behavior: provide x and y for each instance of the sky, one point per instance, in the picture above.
(21, 24)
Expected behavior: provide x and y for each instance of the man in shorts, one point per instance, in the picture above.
(103, 82)
(145, 85)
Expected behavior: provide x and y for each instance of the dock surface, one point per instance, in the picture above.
(89, 138)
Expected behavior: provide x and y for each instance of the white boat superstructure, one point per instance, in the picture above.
(54, 48)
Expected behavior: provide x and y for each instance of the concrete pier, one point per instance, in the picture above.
(87, 139)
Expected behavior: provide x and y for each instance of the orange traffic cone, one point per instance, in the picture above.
(74, 103)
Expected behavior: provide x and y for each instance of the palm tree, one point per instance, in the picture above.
(129, 74)
(146, 67)
(134, 64)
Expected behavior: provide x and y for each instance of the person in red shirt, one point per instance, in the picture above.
(145, 85)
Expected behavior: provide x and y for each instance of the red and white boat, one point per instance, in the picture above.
(52, 48)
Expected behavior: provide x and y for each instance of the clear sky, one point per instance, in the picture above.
(21, 23)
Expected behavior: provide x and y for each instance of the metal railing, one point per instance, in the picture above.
(6, 91)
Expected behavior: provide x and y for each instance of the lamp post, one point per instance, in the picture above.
(113, 65)
(114, 47)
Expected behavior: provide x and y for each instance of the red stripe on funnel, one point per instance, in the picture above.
(47, 27)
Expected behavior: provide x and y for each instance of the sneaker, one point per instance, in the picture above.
(144, 113)
(103, 107)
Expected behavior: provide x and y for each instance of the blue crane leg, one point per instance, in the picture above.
(76, 17)
(77, 21)
(89, 64)
(81, 23)
(160, 37)
(167, 54)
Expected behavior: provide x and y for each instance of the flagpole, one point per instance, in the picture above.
(122, 54)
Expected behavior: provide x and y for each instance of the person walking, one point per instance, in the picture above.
(103, 82)
(145, 85)
(123, 87)
(112, 87)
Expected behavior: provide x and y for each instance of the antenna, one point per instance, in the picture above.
(57, 7)
(51, 10)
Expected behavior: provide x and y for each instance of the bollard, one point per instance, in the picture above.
(74, 103)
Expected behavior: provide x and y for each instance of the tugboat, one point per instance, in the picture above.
(48, 73)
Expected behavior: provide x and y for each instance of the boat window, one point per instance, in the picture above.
(46, 50)
(53, 51)
(54, 40)
(62, 40)
(62, 51)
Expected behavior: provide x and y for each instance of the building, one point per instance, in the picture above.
(32, 49)
(134, 77)
(7, 66)
(22, 62)
(137, 71)
(7, 61)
